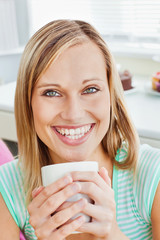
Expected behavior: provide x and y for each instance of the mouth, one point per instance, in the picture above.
(73, 135)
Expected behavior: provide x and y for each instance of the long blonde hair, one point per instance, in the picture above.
(42, 49)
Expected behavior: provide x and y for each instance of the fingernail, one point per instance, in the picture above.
(36, 190)
(81, 219)
(104, 169)
(75, 187)
(68, 179)
(81, 202)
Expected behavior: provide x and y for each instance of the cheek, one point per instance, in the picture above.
(101, 108)
(42, 114)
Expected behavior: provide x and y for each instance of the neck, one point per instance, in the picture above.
(105, 161)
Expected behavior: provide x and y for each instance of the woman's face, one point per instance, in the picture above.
(71, 104)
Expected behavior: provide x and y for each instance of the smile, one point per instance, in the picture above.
(73, 135)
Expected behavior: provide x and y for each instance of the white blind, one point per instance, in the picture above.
(133, 18)
(8, 26)
(122, 19)
(41, 12)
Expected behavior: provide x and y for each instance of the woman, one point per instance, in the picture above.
(69, 106)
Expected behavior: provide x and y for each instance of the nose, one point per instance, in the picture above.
(73, 109)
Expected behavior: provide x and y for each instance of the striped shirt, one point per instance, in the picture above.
(134, 194)
(11, 188)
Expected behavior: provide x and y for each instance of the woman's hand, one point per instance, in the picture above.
(44, 217)
(103, 211)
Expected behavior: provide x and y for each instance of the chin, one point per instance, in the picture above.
(76, 157)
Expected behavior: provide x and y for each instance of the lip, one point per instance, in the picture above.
(73, 142)
(72, 127)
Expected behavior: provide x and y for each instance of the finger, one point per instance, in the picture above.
(100, 213)
(59, 219)
(36, 191)
(93, 177)
(67, 229)
(104, 174)
(99, 229)
(52, 203)
(64, 205)
(98, 195)
(50, 190)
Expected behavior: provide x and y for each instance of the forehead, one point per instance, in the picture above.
(81, 61)
(88, 50)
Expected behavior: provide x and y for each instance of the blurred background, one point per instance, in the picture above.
(131, 29)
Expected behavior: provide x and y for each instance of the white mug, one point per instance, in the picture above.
(52, 173)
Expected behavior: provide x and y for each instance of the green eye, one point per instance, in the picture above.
(91, 90)
(51, 93)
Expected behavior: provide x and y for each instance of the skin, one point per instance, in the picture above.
(8, 227)
(155, 215)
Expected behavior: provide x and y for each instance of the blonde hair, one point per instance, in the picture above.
(43, 48)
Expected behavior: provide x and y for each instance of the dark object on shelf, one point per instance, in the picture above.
(126, 79)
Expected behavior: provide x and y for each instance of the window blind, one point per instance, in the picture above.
(8, 26)
(118, 19)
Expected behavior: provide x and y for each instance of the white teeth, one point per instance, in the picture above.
(82, 130)
(71, 132)
(74, 133)
(75, 137)
(77, 131)
(62, 131)
(86, 128)
(66, 131)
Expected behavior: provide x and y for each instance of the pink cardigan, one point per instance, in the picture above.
(6, 156)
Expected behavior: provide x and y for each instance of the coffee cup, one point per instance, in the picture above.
(52, 173)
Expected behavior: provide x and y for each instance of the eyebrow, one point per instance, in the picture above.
(48, 85)
(92, 79)
(58, 85)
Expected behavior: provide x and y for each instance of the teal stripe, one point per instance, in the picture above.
(115, 187)
(142, 236)
(131, 228)
(7, 202)
(15, 188)
(145, 183)
(154, 188)
(20, 199)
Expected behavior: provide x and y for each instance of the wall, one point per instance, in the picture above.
(9, 63)
(138, 66)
